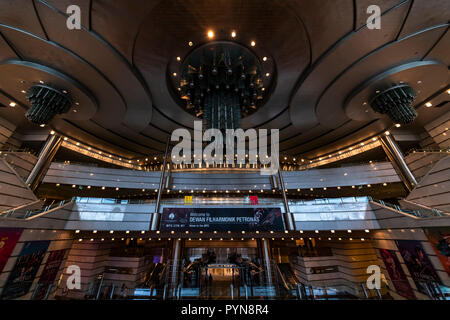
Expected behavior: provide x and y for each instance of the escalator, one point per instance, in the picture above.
(288, 281)
(288, 274)
(153, 285)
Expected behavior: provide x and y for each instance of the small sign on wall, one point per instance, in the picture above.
(253, 200)
(187, 199)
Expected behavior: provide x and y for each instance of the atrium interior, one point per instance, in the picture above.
(236, 150)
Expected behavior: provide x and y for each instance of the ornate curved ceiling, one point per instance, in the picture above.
(318, 52)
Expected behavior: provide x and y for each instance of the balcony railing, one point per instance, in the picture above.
(24, 212)
(420, 213)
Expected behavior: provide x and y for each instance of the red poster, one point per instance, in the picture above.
(396, 274)
(49, 274)
(440, 241)
(8, 240)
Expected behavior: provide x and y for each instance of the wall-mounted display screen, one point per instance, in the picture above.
(222, 219)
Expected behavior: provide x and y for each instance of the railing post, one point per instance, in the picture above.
(35, 291)
(113, 287)
(364, 290)
(311, 292)
(379, 294)
(48, 291)
(165, 290)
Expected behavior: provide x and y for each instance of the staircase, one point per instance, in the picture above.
(434, 189)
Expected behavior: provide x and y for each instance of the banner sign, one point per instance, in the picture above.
(396, 274)
(418, 263)
(222, 219)
(25, 270)
(8, 240)
(440, 241)
(50, 272)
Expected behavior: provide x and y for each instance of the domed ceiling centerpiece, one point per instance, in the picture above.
(221, 82)
(46, 102)
(397, 103)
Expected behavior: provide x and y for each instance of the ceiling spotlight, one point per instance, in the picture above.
(428, 104)
(253, 43)
(233, 34)
(387, 133)
(398, 125)
(267, 74)
(41, 82)
(264, 58)
(190, 43)
(23, 91)
(448, 91)
(174, 74)
(12, 104)
(178, 58)
(210, 34)
(42, 125)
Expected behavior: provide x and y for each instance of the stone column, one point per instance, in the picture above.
(397, 159)
(267, 260)
(46, 156)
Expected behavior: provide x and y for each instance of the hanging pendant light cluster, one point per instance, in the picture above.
(46, 102)
(221, 82)
(396, 102)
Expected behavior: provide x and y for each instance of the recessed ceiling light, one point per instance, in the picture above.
(41, 82)
(178, 58)
(23, 91)
(387, 133)
(267, 74)
(12, 104)
(448, 91)
(253, 43)
(190, 43)
(398, 125)
(428, 104)
(233, 34)
(210, 34)
(42, 125)
(174, 74)
(264, 58)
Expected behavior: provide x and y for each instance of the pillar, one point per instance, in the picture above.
(267, 260)
(397, 159)
(288, 216)
(46, 156)
(154, 224)
(176, 261)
